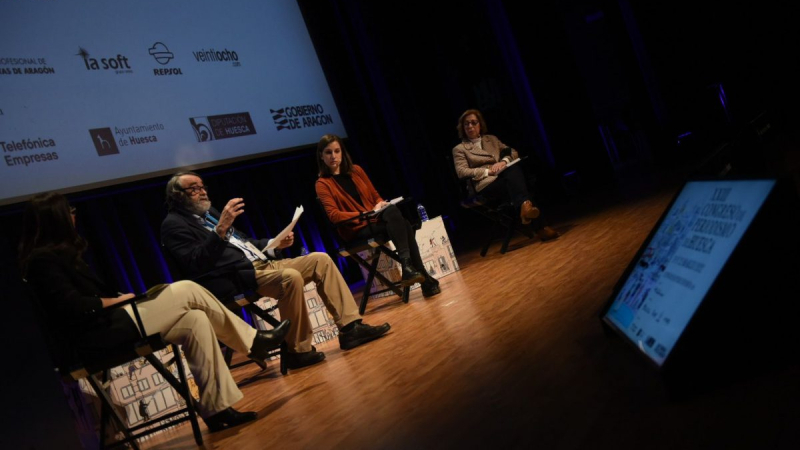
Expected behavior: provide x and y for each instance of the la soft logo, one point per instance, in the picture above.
(118, 63)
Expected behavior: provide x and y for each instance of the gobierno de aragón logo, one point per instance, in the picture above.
(301, 116)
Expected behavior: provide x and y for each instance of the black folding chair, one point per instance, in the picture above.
(502, 214)
(235, 298)
(376, 243)
(73, 365)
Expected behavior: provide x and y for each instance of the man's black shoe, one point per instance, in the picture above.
(228, 418)
(266, 341)
(361, 333)
(430, 287)
(300, 360)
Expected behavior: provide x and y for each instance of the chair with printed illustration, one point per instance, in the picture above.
(378, 244)
(73, 365)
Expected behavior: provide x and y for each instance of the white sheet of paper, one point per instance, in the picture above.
(274, 244)
(393, 201)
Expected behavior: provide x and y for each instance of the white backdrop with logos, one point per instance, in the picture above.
(94, 93)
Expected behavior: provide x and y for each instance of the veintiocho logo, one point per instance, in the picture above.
(213, 55)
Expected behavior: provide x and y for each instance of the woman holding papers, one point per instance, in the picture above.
(490, 166)
(347, 194)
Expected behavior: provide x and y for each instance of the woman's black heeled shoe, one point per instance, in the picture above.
(430, 287)
(410, 275)
(228, 418)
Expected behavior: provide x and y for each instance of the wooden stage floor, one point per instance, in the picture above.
(511, 355)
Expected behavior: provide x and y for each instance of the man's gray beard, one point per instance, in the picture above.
(198, 206)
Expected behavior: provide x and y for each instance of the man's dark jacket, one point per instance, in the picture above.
(202, 256)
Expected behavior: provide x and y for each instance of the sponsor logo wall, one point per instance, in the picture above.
(90, 101)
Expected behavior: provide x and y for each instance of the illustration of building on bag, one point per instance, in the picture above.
(137, 389)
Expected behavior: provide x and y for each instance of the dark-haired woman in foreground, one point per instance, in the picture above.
(183, 312)
(483, 159)
(345, 192)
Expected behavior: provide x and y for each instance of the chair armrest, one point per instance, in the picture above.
(133, 302)
(366, 215)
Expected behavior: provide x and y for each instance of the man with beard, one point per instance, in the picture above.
(204, 243)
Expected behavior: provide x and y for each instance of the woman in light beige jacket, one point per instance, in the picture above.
(486, 163)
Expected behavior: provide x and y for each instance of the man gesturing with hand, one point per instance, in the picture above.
(203, 241)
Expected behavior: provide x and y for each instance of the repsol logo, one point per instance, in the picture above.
(119, 63)
(163, 56)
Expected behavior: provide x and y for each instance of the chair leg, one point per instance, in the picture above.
(373, 274)
(198, 437)
(406, 292)
(103, 420)
(508, 236)
(509, 222)
(493, 219)
(107, 411)
(362, 305)
(492, 235)
(284, 351)
(181, 386)
(525, 230)
(228, 356)
(393, 285)
(486, 248)
(373, 269)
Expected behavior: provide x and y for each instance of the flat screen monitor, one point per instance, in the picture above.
(677, 265)
(95, 93)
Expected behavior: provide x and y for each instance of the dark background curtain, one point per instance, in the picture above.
(596, 93)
